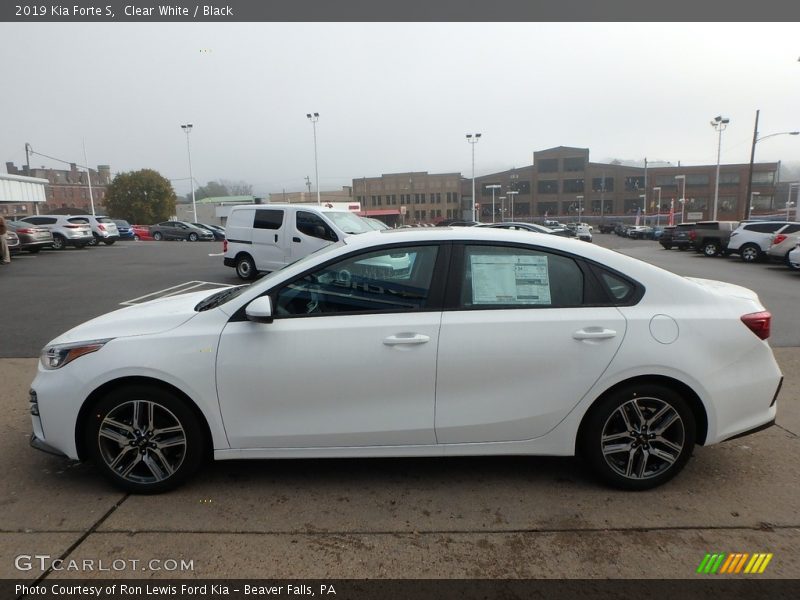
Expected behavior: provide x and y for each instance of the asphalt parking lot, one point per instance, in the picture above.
(498, 517)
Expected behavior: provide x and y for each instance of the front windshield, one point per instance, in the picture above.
(349, 222)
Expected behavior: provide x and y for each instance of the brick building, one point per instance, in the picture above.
(68, 189)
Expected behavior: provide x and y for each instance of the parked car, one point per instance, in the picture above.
(682, 236)
(12, 239)
(665, 239)
(125, 229)
(666, 362)
(711, 237)
(141, 233)
(562, 231)
(607, 227)
(217, 232)
(794, 258)
(103, 229)
(32, 238)
(782, 245)
(641, 232)
(268, 237)
(179, 230)
(456, 223)
(579, 224)
(66, 230)
(751, 239)
(376, 224)
(581, 230)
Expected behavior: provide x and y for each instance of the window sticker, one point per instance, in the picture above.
(510, 279)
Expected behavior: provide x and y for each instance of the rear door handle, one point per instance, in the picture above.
(276, 238)
(594, 333)
(406, 338)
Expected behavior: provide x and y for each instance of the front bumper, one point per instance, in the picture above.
(40, 444)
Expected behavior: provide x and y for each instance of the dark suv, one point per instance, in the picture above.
(666, 237)
(681, 236)
(711, 237)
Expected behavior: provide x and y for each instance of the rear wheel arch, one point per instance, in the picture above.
(117, 384)
(687, 393)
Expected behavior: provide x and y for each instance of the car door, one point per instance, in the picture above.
(269, 244)
(348, 361)
(522, 345)
(310, 232)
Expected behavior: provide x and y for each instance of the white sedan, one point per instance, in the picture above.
(434, 342)
(793, 258)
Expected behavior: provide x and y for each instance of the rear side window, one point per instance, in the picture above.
(268, 219)
(793, 228)
(78, 220)
(764, 227)
(505, 277)
(103, 220)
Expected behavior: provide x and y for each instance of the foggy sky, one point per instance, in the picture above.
(392, 97)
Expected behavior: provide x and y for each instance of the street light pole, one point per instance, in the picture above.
(502, 208)
(493, 187)
(314, 117)
(719, 123)
(789, 203)
(580, 207)
(512, 193)
(683, 193)
(658, 209)
(473, 139)
(187, 128)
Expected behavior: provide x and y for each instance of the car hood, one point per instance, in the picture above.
(156, 316)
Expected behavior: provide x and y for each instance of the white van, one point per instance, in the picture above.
(267, 237)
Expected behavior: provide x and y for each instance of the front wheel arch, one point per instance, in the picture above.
(111, 386)
(688, 394)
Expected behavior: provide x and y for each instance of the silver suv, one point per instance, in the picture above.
(66, 230)
(751, 240)
(103, 229)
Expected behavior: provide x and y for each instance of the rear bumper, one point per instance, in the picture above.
(229, 262)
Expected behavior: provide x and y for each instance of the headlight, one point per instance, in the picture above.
(58, 355)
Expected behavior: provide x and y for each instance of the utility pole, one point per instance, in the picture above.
(308, 184)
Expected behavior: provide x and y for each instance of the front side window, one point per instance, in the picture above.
(314, 226)
(389, 280)
(497, 276)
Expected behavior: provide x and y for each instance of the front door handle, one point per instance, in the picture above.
(296, 239)
(276, 238)
(406, 338)
(594, 333)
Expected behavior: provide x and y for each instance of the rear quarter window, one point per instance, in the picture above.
(268, 219)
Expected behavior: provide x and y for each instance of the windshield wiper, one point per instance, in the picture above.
(216, 299)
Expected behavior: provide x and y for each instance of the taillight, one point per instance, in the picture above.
(72, 226)
(24, 230)
(225, 245)
(692, 235)
(778, 239)
(101, 227)
(759, 323)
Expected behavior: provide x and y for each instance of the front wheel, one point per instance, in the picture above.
(59, 243)
(192, 237)
(750, 253)
(94, 241)
(638, 437)
(158, 236)
(144, 439)
(246, 267)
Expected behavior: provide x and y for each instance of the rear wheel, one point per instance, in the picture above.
(158, 236)
(245, 267)
(192, 237)
(750, 253)
(667, 246)
(136, 237)
(710, 248)
(144, 439)
(789, 263)
(109, 242)
(94, 241)
(639, 437)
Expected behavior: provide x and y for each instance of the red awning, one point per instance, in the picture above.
(379, 213)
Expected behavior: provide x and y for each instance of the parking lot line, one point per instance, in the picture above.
(174, 290)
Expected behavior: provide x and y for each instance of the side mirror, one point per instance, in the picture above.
(260, 310)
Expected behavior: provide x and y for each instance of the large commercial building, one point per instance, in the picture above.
(563, 183)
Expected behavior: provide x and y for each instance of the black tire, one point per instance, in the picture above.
(82, 246)
(59, 243)
(750, 253)
(136, 237)
(94, 241)
(788, 263)
(129, 454)
(192, 237)
(620, 448)
(667, 246)
(682, 248)
(710, 248)
(109, 242)
(246, 267)
(158, 236)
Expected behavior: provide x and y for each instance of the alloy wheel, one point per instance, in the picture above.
(643, 438)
